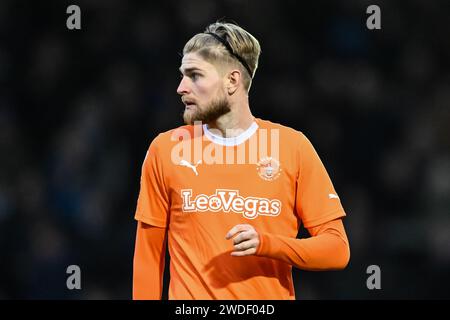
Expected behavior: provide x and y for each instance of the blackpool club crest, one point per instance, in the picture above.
(268, 168)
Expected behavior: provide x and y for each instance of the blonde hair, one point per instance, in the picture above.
(243, 45)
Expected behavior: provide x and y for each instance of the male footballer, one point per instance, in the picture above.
(227, 192)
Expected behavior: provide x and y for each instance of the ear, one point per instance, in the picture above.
(234, 79)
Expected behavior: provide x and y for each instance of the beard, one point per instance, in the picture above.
(208, 114)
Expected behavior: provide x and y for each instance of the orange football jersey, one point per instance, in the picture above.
(199, 185)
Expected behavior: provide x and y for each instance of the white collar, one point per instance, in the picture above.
(232, 141)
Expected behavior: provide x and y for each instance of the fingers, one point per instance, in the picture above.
(236, 229)
(244, 235)
(245, 240)
(247, 252)
(246, 245)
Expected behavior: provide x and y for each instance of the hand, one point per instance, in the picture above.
(245, 240)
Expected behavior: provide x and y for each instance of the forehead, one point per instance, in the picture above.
(194, 61)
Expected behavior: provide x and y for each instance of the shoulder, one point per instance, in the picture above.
(171, 137)
(286, 134)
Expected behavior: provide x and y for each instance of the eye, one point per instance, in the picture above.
(195, 76)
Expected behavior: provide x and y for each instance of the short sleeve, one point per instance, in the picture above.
(316, 200)
(153, 201)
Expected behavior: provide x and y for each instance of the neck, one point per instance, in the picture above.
(234, 122)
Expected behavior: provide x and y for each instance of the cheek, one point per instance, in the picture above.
(204, 87)
(208, 91)
(209, 85)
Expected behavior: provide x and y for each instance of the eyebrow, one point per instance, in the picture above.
(189, 70)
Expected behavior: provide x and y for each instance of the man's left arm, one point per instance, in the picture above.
(326, 249)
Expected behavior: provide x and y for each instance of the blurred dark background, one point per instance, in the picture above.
(78, 109)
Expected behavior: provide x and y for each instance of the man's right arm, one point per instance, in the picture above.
(151, 212)
(148, 264)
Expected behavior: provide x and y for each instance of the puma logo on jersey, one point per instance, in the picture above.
(332, 196)
(230, 200)
(187, 164)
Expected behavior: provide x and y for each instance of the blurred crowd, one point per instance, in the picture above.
(79, 108)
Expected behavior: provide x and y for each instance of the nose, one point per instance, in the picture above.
(183, 87)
